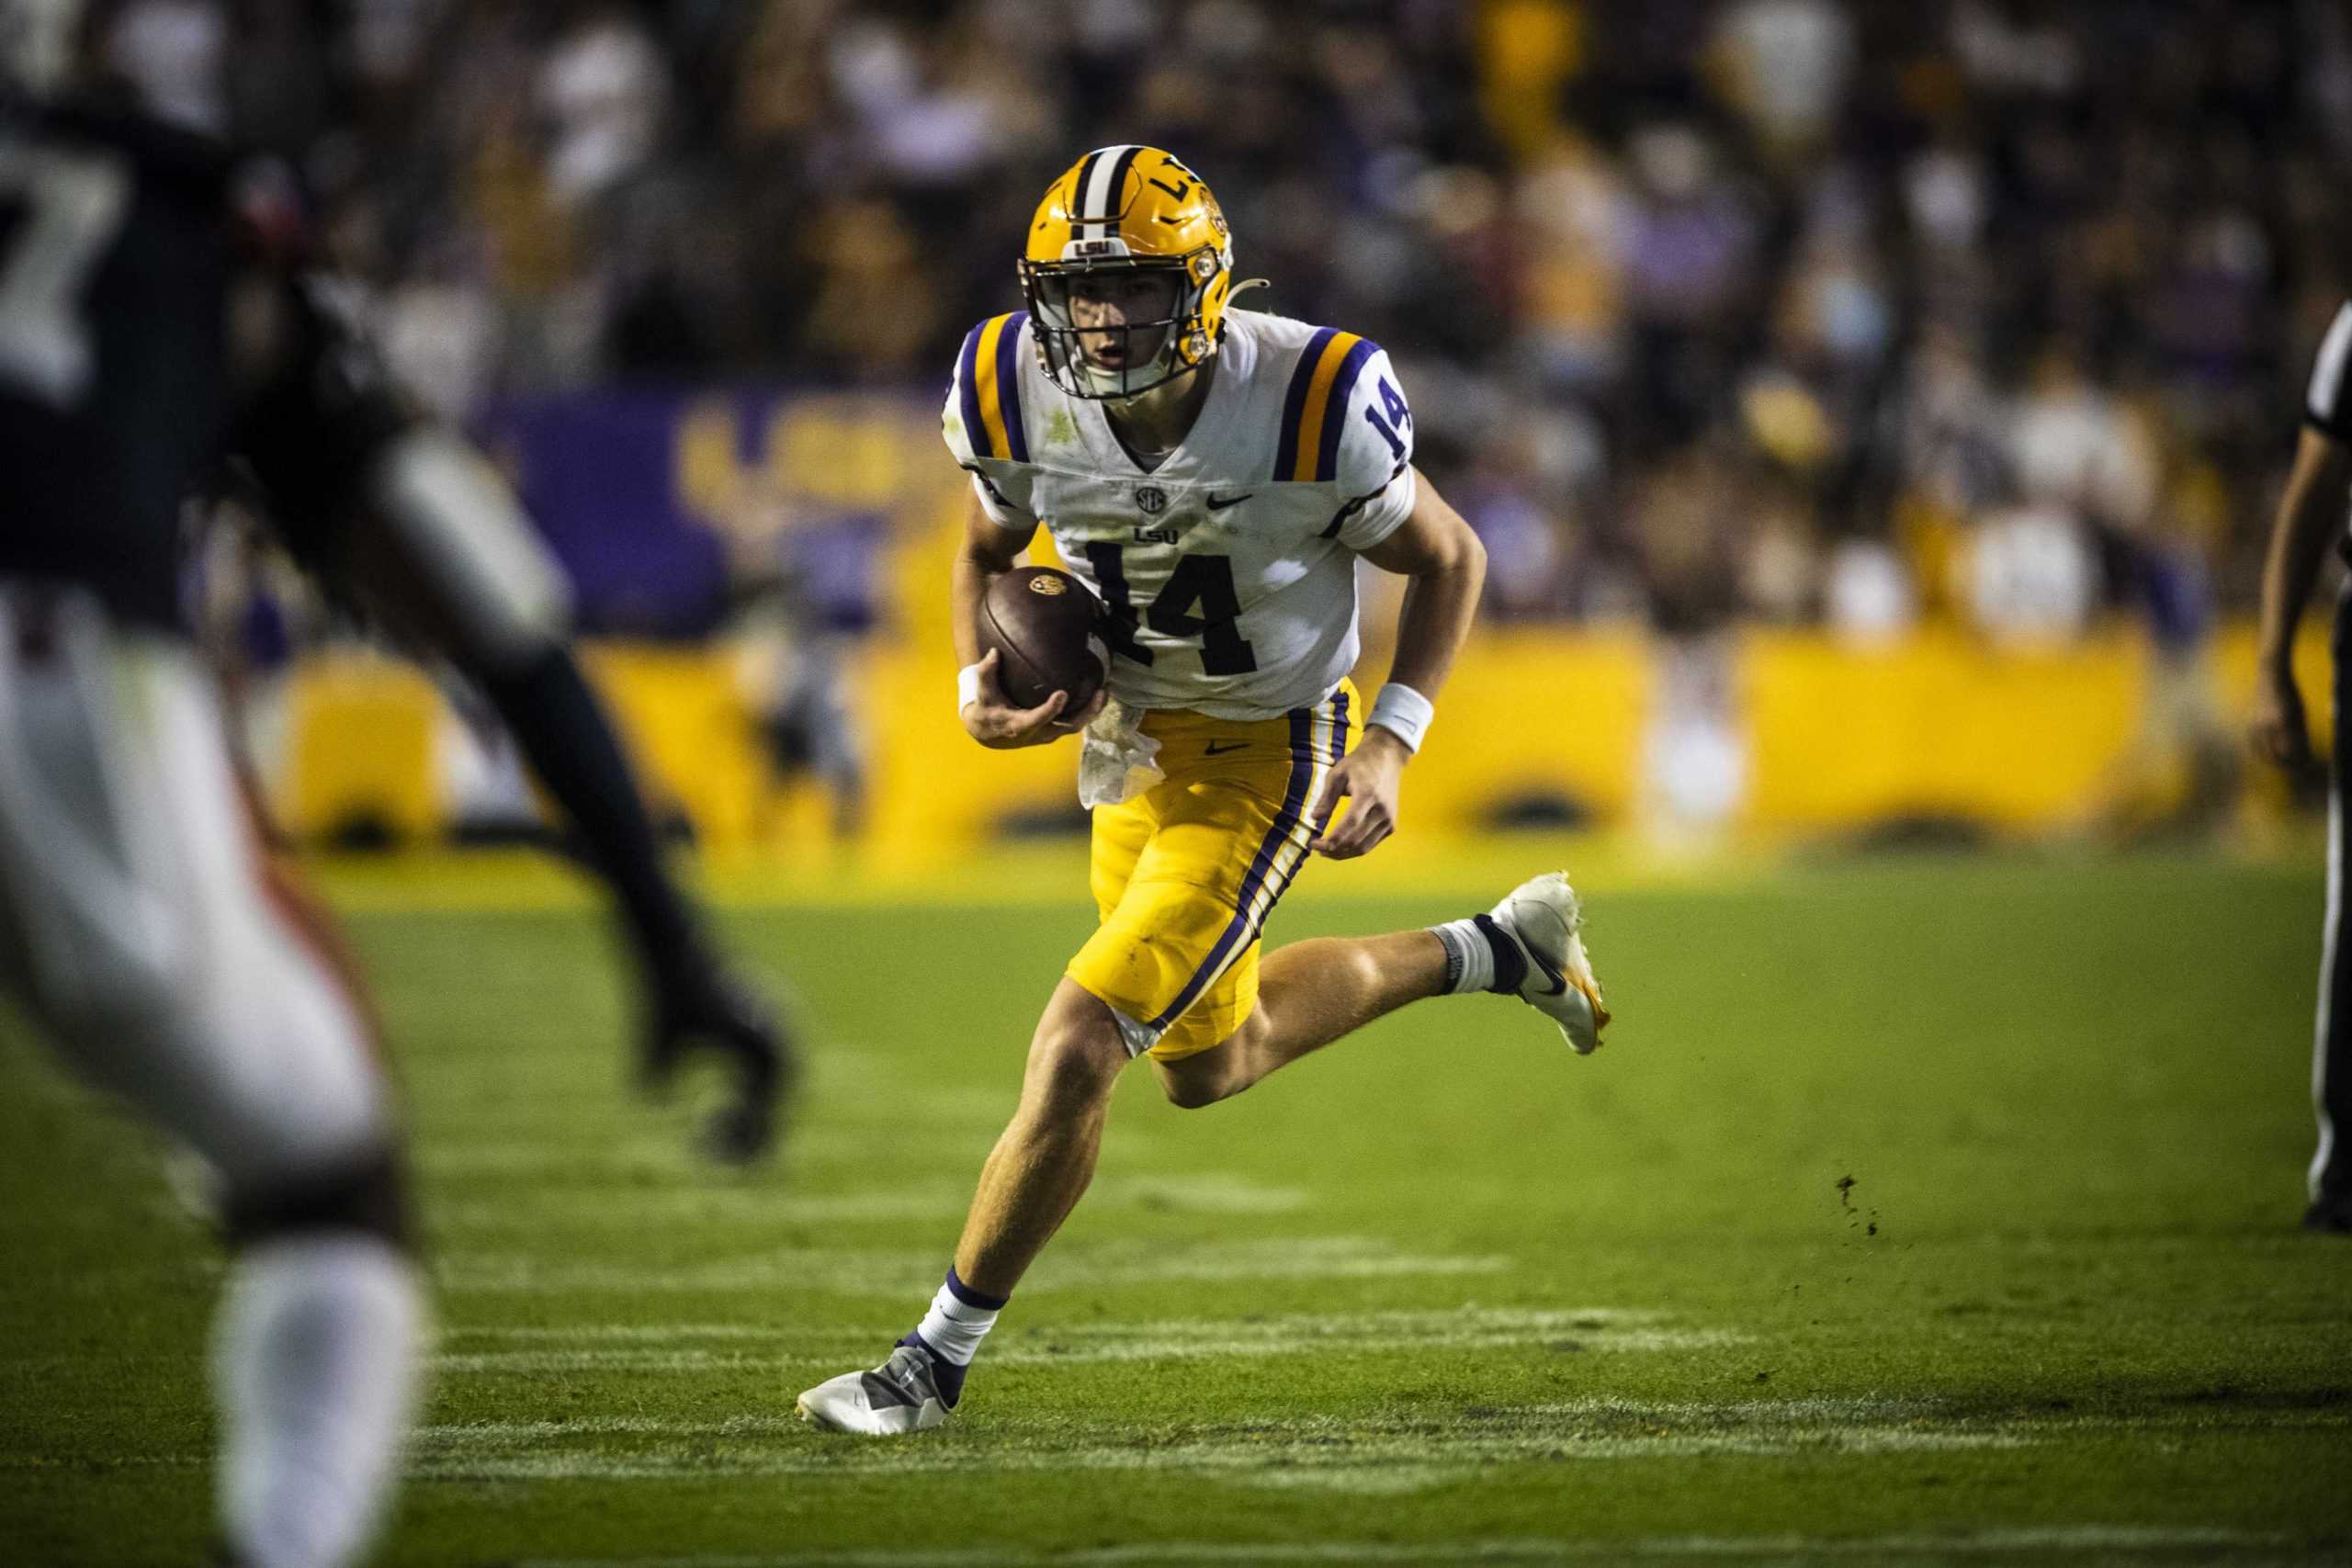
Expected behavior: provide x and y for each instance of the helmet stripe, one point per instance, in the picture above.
(1080, 230)
(1099, 183)
(1117, 183)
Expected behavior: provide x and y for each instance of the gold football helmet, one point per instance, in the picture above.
(1133, 226)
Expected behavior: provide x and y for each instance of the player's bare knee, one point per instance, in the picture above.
(366, 1195)
(1071, 1068)
(1191, 1087)
(1221, 1072)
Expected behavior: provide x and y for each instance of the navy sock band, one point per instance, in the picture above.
(1510, 964)
(972, 1298)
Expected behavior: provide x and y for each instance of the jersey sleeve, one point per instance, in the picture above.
(1375, 457)
(2329, 405)
(983, 422)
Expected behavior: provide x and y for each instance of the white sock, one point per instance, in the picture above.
(315, 1364)
(1469, 957)
(955, 1326)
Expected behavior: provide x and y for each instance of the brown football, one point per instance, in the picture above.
(1041, 622)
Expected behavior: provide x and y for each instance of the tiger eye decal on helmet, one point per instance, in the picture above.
(1128, 212)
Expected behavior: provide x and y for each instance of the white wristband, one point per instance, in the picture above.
(967, 686)
(1404, 713)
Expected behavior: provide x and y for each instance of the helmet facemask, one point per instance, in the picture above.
(1161, 304)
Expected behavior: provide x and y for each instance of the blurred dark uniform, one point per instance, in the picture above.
(159, 331)
(118, 393)
(113, 374)
(140, 920)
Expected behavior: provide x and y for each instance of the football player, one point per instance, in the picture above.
(2311, 517)
(1213, 474)
(146, 334)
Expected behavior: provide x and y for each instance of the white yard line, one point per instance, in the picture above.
(459, 1435)
(1374, 1456)
(1563, 1318)
(628, 1333)
(1358, 1464)
(606, 1203)
(1378, 1456)
(1551, 1423)
(568, 1145)
(1991, 1543)
(577, 1146)
(594, 1348)
(855, 1272)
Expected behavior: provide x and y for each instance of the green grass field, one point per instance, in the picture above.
(1915, 1212)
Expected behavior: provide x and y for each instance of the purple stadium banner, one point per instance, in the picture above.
(659, 503)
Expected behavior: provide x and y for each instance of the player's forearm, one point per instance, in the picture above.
(1435, 619)
(2308, 515)
(1444, 567)
(986, 553)
(968, 582)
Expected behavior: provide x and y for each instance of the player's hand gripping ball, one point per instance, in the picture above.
(1041, 623)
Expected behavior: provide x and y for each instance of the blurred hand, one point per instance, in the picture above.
(2278, 731)
(994, 722)
(1370, 778)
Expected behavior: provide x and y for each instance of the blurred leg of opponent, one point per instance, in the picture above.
(141, 927)
(446, 553)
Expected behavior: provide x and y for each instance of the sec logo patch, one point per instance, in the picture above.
(1152, 500)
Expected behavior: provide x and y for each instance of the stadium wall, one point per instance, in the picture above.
(1543, 728)
(671, 508)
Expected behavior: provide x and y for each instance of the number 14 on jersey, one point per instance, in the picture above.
(1199, 579)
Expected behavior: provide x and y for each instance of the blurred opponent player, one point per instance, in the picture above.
(2312, 514)
(145, 336)
(1213, 474)
(395, 515)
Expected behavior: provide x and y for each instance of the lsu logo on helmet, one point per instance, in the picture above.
(1133, 212)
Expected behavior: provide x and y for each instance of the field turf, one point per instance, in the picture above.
(1915, 1212)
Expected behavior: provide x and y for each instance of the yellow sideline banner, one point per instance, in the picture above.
(1534, 722)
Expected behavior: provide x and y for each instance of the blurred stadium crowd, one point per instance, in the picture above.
(1797, 311)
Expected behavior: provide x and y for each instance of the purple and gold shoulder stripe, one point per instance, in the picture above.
(987, 380)
(1316, 405)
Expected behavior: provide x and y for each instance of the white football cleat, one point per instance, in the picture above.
(1543, 916)
(899, 1396)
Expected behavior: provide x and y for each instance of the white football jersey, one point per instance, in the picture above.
(2328, 405)
(1230, 570)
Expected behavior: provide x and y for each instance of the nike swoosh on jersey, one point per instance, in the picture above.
(1215, 748)
(1219, 503)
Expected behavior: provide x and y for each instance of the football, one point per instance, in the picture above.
(1042, 624)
